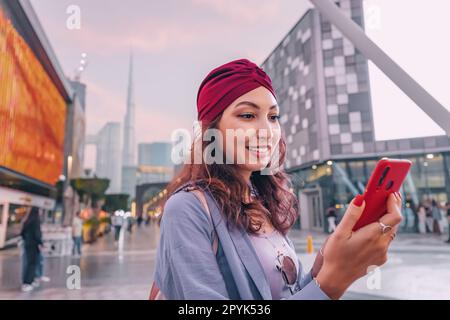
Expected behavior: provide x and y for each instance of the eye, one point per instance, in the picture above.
(275, 118)
(247, 116)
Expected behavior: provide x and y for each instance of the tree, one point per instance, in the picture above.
(90, 190)
(115, 202)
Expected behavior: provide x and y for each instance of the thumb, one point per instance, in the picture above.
(351, 216)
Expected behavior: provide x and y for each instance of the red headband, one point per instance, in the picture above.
(225, 84)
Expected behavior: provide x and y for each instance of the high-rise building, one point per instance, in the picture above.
(129, 169)
(74, 146)
(155, 162)
(108, 155)
(129, 181)
(155, 154)
(76, 131)
(34, 100)
(322, 86)
(129, 146)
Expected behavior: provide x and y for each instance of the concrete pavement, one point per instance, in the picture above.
(419, 267)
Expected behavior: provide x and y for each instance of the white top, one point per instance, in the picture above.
(267, 247)
(77, 227)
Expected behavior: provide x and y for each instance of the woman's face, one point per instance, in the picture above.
(253, 121)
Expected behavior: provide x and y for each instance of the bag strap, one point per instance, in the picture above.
(155, 293)
(192, 187)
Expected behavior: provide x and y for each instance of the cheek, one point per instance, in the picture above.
(276, 137)
(229, 145)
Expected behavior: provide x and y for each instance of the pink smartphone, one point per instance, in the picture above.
(387, 177)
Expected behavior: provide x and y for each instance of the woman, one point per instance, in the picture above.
(225, 236)
(429, 216)
(32, 238)
(437, 217)
(77, 234)
(331, 216)
(422, 215)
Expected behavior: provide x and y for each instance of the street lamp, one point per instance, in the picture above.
(69, 166)
(82, 67)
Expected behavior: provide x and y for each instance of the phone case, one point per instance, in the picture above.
(387, 177)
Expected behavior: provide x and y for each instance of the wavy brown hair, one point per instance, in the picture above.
(275, 201)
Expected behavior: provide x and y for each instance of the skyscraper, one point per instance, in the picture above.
(107, 142)
(323, 88)
(155, 154)
(155, 163)
(128, 152)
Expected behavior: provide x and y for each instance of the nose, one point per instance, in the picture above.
(265, 130)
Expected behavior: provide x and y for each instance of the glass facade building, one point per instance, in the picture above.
(323, 90)
(336, 182)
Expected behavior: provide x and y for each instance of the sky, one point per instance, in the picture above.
(175, 43)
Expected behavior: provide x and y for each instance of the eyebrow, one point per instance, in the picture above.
(254, 105)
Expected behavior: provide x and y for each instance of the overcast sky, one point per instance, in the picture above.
(176, 42)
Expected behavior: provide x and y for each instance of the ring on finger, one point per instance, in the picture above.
(393, 235)
(384, 227)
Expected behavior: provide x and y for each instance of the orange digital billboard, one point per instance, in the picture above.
(32, 111)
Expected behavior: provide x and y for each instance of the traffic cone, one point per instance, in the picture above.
(309, 244)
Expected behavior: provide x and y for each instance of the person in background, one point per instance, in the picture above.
(129, 222)
(422, 216)
(331, 216)
(32, 237)
(447, 206)
(411, 212)
(40, 269)
(39, 276)
(139, 221)
(429, 216)
(117, 222)
(77, 231)
(437, 216)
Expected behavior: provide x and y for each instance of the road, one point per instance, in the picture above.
(418, 268)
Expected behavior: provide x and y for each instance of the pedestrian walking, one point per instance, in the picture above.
(117, 221)
(422, 216)
(77, 232)
(331, 217)
(447, 207)
(429, 218)
(437, 217)
(32, 238)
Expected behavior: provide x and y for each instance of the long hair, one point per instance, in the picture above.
(32, 218)
(275, 201)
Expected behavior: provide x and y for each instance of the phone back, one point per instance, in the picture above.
(387, 177)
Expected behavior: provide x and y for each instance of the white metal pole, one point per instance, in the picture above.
(389, 67)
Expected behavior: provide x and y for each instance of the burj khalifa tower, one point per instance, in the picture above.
(129, 146)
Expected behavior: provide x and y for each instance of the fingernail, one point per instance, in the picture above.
(358, 200)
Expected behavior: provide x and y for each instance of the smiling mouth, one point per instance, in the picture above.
(260, 151)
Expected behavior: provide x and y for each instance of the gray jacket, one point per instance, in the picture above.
(187, 268)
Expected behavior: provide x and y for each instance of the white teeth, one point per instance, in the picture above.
(262, 150)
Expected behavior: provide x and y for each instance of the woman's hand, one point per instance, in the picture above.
(348, 255)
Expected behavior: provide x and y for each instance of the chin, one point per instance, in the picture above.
(254, 167)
